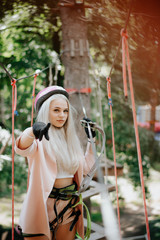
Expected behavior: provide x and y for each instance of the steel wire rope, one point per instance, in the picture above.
(109, 218)
(134, 117)
(14, 100)
(126, 23)
(125, 36)
(97, 79)
(125, 27)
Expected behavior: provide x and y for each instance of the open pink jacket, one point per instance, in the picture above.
(43, 171)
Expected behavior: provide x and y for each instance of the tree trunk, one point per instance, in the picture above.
(75, 58)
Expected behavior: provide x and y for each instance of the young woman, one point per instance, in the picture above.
(57, 165)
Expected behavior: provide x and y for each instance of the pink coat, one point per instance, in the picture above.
(43, 170)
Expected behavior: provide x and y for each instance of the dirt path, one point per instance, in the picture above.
(6, 210)
(132, 215)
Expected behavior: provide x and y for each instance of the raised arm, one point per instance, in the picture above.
(26, 138)
(38, 130)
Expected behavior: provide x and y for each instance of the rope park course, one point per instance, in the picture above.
(107, 211)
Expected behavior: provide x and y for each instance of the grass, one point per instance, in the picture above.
(154, 226)
(6, 210)
(96, 215)
(156, 166)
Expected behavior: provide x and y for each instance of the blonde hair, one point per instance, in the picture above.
(64, 141)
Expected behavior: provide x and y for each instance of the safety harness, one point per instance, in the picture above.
(67, 193)
(87, 179)
(64, 194)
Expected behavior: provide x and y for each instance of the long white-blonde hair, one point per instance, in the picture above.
(64, 141)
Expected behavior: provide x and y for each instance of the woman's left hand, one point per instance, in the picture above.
(91, 127)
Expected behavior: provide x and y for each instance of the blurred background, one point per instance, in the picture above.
(74, 43)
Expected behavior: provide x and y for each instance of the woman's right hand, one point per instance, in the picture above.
(40, 129)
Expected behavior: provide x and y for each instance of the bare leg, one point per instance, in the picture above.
(64, 233)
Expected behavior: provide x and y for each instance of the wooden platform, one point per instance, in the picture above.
(94, 189)
(110, 168)
(97, 230)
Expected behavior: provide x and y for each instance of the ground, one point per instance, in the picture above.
(132, 216)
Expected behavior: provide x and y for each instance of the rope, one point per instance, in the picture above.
(110, 103)
(114, 61)
(126, 24)
(6, 71)
(39, 71)
(75, 90)
(124, 35)
(56, 73)
(14, 104)
(14, 111)
(114, 151)
(109, 218)
(13, 83)
(128, 16)
(33, 96)
(50, 75)
(14, 87)
(97, 79)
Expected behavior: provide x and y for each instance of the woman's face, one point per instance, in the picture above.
(58, 112)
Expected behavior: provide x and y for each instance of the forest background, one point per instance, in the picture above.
(31, 39)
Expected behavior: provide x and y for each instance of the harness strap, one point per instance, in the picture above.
(77, 214)
(65, 194)
(32, 235)
(60, 215)
(20, 235)
(58, 218)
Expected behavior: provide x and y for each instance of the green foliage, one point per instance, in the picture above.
(20, 177)
(104, 26)
(125, 143)
(96, 215)
(25, 47)
(154, 227)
